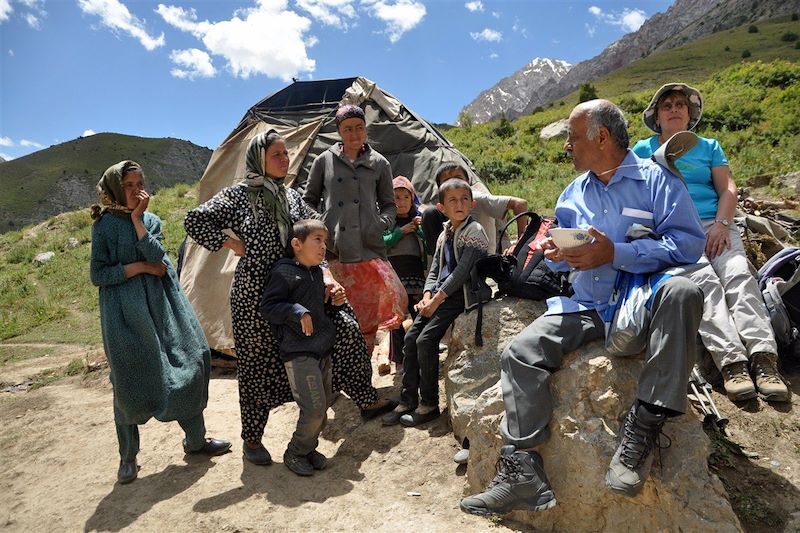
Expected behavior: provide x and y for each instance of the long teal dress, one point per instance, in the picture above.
(159, 358)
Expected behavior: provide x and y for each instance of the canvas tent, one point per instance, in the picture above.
(303, 113)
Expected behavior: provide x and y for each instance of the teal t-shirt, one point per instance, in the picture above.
(696, 167)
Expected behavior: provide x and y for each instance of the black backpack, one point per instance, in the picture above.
(779, 281)
(534, 281)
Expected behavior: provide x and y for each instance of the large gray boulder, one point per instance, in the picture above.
(592, 393)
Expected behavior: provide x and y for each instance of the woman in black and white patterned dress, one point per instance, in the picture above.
(260, 210)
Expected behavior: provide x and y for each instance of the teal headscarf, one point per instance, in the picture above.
(270, 188)
(110, 192)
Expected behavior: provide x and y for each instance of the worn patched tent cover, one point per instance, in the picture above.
(303, 113)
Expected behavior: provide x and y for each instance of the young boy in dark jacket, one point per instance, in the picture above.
(293, 304)
(450, 288)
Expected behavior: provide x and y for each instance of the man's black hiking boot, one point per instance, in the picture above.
(640, 435)
(520, 485)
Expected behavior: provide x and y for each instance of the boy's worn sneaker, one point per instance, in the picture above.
(420, 415)
(393, 417)
(461, 456)
(317, 460)
(640, 434)
(520, 485)
(299, 464)
(257, 456)
(769, 382)
(737, 382)
(128, 471)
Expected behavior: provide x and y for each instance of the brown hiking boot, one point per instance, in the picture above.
(738, 385)
(764, 367)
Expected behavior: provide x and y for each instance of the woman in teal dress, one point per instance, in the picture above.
(158, 355)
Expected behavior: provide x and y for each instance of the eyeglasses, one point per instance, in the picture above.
(668, 106)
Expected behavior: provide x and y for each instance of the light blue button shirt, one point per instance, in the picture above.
(642, 192)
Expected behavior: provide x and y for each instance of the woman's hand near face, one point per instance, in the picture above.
(236, 246)
(717, 241)
(409, 228)
(144, 200)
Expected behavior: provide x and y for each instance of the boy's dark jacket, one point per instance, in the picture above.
(291, 291)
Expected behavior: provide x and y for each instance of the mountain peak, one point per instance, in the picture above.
(512, 93)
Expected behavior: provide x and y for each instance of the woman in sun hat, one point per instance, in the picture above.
(351, 183)
(735, 328)
(159, 359)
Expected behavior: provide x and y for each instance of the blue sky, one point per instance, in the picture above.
(191, 69)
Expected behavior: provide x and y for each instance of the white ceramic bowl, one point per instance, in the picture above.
(569, 237)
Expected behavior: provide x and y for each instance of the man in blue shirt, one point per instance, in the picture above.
(617, 190)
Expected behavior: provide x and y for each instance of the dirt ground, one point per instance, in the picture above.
(59, 460)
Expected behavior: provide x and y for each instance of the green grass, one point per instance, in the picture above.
(12, 354)
(56, 302)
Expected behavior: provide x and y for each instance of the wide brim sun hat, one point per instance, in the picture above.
(650, 115)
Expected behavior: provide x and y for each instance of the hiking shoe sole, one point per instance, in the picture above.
(482, 511)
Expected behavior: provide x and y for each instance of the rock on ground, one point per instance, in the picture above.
(592, 394)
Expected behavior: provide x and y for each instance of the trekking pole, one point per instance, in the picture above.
(717, 421)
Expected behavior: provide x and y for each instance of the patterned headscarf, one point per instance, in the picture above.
(110, 192)
(270, 188)
(349, 111)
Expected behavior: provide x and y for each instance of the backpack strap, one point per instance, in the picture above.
(530, 230)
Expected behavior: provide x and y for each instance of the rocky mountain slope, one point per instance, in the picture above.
(685, 21)
(512, 93)
(63, 177)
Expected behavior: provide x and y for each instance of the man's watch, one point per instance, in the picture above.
(725, 222)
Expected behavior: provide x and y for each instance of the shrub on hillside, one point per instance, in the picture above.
(504, 128)
(496, 169)
(789, 37)
(586, 92)
(752, 29)
(633, 104)
(746, 53)
(733, 117)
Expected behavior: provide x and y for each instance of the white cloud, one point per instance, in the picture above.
(487, 35)
(496, 14)
(475, 5)
(6, 156)
(517, 27)
(88, 133)
(115, 15)
(5, 10)
(628, 19)
(33, 21)
(196, 63)
(11, 52)
(493, 55)
(6, 141)
(338, 13)
(311, 42)
(30, 144)
(266, 39)
(590, 29)
(400, 17)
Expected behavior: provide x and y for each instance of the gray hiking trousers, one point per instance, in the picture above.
(532, 357)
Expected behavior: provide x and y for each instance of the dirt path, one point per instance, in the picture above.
(59, 462)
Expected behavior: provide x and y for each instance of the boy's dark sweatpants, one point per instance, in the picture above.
(310, 379)
(421, 353)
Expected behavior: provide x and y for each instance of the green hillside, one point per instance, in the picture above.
(752, 106)
(29, 182)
